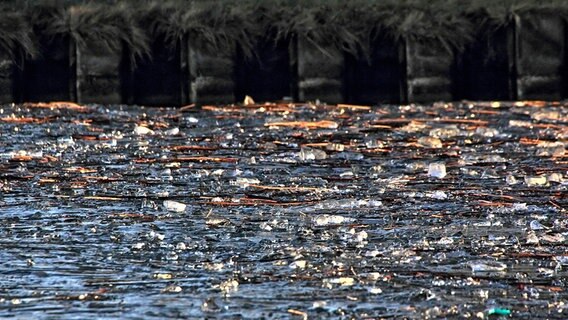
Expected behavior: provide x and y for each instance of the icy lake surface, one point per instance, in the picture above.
(284, 211)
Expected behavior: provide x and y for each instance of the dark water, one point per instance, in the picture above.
(345, 222)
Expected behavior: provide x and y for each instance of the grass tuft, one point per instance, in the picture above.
(16, 34)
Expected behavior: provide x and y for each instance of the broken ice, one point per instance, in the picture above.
(172, 131)
(430, 142)
(307, 154)
(487, 266)
(437, 170)
(245, 182)
(536, 180)
(140, 130)
(330, 219)
(174, 206)
(445, 132)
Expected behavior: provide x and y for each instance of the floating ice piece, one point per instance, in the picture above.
(172, 289)
(486, 132)
(343, 281)
(330, 219)
(307, 154)
(346, 174)
(153, 235)
(546, 272)
(138, 245)
(551, 149)
(445, 132)
(430, 142)
(377, 169)
(216, 221)
(511, 180)
(172, 256)
(374, 143)
(483, 294)
(65, 142)
(333, 204)
(265, 226)
(519, 206)
(348, 156)
(248, 101)
(445, 241)
(413, 126)
(229, 286)
(172, 131)
(140, 130)
(536, 180)
(174, 206)
(192, 120)
(439, 195)
(490, 173)
(361, 236)
(553, 238)
(437, 170)
(319, 304)
(532, 238)
(298, 264)
(245, 182)
(483, 158)
(335, 147)
(520, 123)
(163, 276)
(416, 166)
(374, 290)
(546, 115)
(22, 153)
(555, 177)
(563, 260)
(536, 225)
(486, 266)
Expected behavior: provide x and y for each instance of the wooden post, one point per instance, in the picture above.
(378, 80)
(320, 72)
(7, 79)
(48, 77)
(157, 81)
(268, 75)
(428, 71)
(211, 76)
(98, 74)
(486, 67)
(539, 54)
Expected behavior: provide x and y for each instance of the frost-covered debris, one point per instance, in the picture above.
(350, 212)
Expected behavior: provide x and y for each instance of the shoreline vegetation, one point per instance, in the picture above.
(129, 29)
